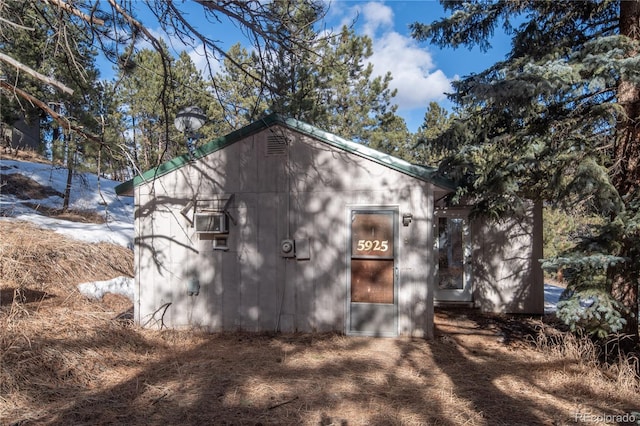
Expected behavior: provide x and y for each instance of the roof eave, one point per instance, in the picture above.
(419, 172)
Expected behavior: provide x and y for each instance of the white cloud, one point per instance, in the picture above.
(415, 75)
(412, 68)
(376, 16)
(195, 52)
(369, 17)
(203, 61)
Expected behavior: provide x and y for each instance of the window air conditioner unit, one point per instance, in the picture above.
(212, 223)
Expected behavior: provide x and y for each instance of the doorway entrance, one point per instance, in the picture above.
(372, 299)
(453, 251)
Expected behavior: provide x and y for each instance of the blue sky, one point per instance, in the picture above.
(421, 73)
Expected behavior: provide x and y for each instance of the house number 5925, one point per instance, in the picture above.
(372, 245)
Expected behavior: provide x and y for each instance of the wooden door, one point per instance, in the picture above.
(372, 298)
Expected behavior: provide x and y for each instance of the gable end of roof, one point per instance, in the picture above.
(420, 172)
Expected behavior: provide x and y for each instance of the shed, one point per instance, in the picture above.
(24, 133)
(280, 226)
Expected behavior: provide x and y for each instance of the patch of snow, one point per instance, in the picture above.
(552, 295)
(97, 289)
(109, 232)
(88, 193)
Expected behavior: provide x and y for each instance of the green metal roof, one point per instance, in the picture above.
(420, 172)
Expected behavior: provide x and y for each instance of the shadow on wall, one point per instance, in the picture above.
(249, 285)
(506, 269)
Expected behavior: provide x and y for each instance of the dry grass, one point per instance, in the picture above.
(66, 360)
(37, 260)
(24, 187)
(6, 153)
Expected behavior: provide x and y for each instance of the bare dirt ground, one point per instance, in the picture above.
(68, 360)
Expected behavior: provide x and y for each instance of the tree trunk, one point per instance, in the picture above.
(71, 158)
(625, 280)
(67, 189)
(626, 171)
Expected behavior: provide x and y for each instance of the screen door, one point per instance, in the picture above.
(372, 298)
(453, 249)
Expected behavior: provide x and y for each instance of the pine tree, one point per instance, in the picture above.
(112, 28)
(190, 90)
(556, 120)
(357, 105)
(151, 100)
(292, 73)
(242, 97)
(27, 47)
(109, 158)
(140, 95)
(34, 43)
(329, 83)
(428, 148)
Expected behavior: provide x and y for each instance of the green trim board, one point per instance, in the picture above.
(419, 172)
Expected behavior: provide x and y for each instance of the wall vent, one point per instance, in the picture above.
(276, 145)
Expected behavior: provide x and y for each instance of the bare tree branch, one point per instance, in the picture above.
(70, 9)
(13, 24)
(165, 61)
(226, 9)
(115, 29)
(60, 119)
(20, 66)
(212, 45)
